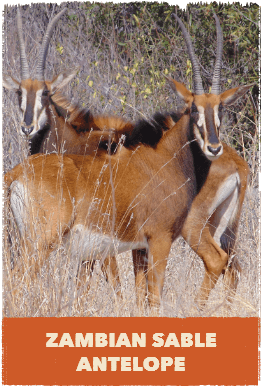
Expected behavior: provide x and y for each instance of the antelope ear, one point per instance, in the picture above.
(232, 95)
(62, 79)
(10, 83)
(180, 90)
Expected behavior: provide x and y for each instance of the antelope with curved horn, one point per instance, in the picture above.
(211, 225)
(47, 118)
(136, 199)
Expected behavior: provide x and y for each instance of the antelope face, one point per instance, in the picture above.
(33, 94)
(33, 98)
(206, 114)
(206, 109)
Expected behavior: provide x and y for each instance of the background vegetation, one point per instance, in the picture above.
(122, 52)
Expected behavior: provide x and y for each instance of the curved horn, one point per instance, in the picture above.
(217, 68)
(25, 74)
(40, 68)
(198, 87)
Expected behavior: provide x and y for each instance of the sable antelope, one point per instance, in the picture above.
(107, 216)
(47, 117)
(212, 222)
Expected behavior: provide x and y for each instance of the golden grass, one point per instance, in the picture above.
(134, 88)
(53, 291)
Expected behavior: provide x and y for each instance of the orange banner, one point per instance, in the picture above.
(130, 351)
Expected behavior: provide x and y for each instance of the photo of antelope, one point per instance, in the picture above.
(130, 156)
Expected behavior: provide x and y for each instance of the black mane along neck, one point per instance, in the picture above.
(149, 133)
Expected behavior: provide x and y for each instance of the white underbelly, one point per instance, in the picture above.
(88, 244)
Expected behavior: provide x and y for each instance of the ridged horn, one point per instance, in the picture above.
(217, 68)
(25, 74)
(40, 68)
(198, 87)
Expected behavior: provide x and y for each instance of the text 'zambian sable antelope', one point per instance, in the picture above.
(47, 118)
(138, 198)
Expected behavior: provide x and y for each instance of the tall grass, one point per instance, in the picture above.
(122, 51)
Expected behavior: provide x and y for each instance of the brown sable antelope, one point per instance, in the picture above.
(47, 118)
(140, 197)
(211, 225)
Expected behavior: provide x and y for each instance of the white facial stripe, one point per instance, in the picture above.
(201, 121)
(217, 121)
(38, 104)
(37, 108)
(42, 119)
(198, 137)
(24, 99)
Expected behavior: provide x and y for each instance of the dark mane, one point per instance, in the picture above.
(143, 131)
(150, 132)
(81, 119)
(64, 106)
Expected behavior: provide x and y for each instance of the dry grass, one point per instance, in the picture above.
(52, 291)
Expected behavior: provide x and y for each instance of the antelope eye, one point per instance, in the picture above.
(45, 92)
(19, 92)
